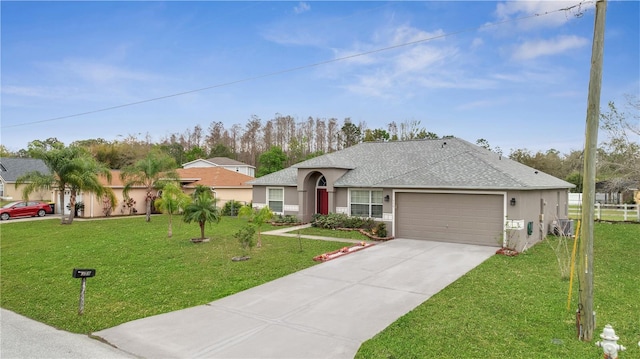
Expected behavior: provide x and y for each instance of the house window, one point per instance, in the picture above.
(275, 199)
(365, 203)
(322, 182)
(1, 189)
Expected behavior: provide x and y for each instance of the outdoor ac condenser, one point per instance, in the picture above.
(561, 227)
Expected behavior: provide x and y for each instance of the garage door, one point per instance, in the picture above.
(446, 217)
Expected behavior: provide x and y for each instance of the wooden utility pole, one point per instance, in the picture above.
(585, 274)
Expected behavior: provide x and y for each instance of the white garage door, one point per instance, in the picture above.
(446, 217)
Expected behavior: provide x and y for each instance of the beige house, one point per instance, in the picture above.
(226, 185)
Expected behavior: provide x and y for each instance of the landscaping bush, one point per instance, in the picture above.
(288, 219)
(339, 220)
(380, 230)
(231, 208)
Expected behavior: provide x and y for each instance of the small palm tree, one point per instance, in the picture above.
(202, 209)
(257, 216)
(173, 201)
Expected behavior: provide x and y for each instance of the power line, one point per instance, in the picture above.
(247, 79)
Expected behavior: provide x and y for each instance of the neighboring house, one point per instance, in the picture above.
(443, 190)
(13, 168)
(226, 185)
(223, 162)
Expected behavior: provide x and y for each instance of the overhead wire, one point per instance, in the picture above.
(298, 68)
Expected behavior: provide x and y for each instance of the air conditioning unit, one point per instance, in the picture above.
(561, 227)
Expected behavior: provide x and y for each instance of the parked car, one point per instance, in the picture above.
(24, 209)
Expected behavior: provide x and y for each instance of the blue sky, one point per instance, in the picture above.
(481, 73)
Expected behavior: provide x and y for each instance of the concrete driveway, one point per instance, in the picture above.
(325, 311)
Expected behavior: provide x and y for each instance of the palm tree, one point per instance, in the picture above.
(172, 201)
(257, 216)
(202, 209)
(149, 173)
(70, 168)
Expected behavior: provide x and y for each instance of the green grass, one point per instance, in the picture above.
(314, 231)
(140, 272)
(516, 307)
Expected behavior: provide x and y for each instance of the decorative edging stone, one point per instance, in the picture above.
(342, 251)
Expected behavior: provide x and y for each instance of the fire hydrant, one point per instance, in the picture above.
(609, 343)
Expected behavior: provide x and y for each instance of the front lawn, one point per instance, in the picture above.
(139, 271)
(516, 307)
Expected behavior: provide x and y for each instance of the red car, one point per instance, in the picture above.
(24, 209)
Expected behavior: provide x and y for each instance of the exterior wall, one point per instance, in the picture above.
(224, 195)
(11, 193)
(539, 207)
(245, 170)
(260, 195)
(290, 198)
(93, 206)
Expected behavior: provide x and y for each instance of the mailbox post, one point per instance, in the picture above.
(83, 274)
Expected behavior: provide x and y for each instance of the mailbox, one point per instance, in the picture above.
(83, 273)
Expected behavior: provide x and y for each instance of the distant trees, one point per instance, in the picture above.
(619, 156)
(271, 161)
(302, 139)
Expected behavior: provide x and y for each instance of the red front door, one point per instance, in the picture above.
(323, 201)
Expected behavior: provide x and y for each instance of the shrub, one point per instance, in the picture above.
(245, 237)
(380, 230)
(231, 208)
(288, 219)
(338, 220)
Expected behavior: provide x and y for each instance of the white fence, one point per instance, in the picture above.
(609, 212)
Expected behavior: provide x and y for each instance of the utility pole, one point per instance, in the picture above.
(585, 274)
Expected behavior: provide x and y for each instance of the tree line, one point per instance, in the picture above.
(283, 141)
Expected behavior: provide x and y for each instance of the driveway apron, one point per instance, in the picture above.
(325, 311)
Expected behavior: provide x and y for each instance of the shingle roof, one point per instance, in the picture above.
(213, 176)
(449, 163)
(12, 168)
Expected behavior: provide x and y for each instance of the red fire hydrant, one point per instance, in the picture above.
(609, 343)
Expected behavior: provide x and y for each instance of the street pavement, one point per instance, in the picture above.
(24, 338)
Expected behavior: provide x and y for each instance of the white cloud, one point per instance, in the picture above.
(302, 7)
(101, 73)
(533, 49)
